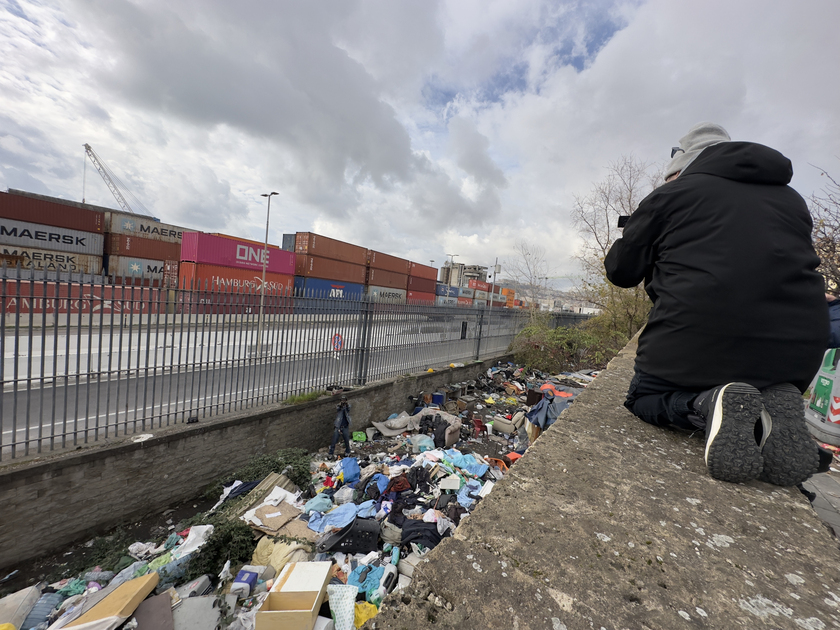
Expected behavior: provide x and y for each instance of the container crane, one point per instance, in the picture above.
(113, 182)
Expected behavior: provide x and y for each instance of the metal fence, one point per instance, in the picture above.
(83, 362)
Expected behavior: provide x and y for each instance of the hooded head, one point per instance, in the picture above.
(699, 137)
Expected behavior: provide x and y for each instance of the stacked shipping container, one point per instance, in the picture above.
(223, 263)
(140, 249)
(39, 234)
(326, 267)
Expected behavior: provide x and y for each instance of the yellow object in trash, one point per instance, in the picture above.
(364, 611)
(490, 401)
(430, 370)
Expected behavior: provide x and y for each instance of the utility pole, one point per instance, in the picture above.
(264, 264)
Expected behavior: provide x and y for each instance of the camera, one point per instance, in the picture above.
(622, 220)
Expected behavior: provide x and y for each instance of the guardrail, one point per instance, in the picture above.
(83, 362)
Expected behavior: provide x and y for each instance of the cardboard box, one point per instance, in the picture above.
(296, 597)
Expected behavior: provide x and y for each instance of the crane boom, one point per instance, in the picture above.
(97, 162)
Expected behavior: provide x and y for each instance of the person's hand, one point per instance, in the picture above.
(829, 297)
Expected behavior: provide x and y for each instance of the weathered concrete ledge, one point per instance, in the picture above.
(51, 501)
(611, 523)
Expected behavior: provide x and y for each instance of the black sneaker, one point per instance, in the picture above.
(731, 412)
(790, 454)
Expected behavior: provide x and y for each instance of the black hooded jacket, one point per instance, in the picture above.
(726, 256)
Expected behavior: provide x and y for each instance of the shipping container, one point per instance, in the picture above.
(130, 267)
(223, 251)
(43, 210)
(509, 292)
(142, 227)
(443, 300)
(329, 269)
(497, 304)
(383, 278)
(480, 295)
(454, 292)
(288, 242)
(320, 288)
(386, 262)
(316, 245)
(463, 301)
(45, 260)
(199, 276)
(441, 289)
(422, 271)
(135, 247)
(517, 302)
(421, 285)
(27, 297)
(419, 297)
(495, 289)
(36, 236)
(465, 292)
(260, 244)
(479, 285)
(386, 294)
(479, 303)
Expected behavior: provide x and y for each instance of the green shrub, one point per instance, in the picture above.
(565, 349)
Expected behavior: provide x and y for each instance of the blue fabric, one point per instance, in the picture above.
(368, 509)
(466, 462)
(338, 518)
(471, 487)
(371, 582)
(381, 482)
(350, 468)
(319, 503)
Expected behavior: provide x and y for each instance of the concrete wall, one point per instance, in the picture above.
(50, 502)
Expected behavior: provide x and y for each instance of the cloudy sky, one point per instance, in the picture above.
(416, 127)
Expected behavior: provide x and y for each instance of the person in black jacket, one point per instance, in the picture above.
(739, 320)
(342, 426)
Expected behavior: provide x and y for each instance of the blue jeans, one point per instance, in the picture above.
(344, 432)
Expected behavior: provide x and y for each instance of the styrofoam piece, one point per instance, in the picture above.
(452, 482)
(486, 488)
(323, 623)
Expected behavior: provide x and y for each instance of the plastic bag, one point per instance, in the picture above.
(364, 611)
(342, 605)
(359, 436)
(421, 443)
(344, 495)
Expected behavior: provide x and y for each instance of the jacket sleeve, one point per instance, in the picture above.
(631, 257)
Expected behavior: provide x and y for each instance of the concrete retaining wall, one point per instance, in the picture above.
(50, 502)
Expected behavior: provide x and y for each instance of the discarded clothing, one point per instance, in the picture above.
(336, 519)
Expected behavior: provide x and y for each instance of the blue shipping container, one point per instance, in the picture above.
(441, 289)
(315, 287)
(453, 292)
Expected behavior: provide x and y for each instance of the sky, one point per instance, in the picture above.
(418, 128)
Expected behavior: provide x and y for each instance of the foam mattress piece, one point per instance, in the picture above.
(118, 606)
(16, 607)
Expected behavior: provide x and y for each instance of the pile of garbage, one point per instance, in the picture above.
(323, 554)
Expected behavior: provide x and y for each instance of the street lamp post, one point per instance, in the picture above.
(496, 270)
(264, 264)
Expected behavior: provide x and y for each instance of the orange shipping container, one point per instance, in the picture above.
(329, 269)
(386, 262)
(124, 245)
(423, 271)
(383, 278)
(464, 301)
(214, 278)
(316, 245)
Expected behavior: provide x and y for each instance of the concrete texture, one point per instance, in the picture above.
(49, 502)
(610, 523)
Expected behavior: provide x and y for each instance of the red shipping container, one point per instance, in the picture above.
(316, 245)
(386, 262)
(382, 278)
(478, 284)
(329, 269)
(423, 285)
(123, 245)
(202, 277)
(422, 271)
(33, 208)
(465, 301)
(222, 251)
(419, 297)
